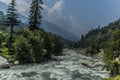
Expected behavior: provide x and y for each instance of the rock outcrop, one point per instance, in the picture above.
(4, 63)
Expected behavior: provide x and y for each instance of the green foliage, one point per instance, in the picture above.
(3, 45)
(115, 43)
(93, 50)
(30, 46)
(112, 50)
(47, 44)
(99, 36)
(3, 36)
(33, 42)
(36, 46)
(58, 46)
(113, 78)
(4, 50)
(23, 50)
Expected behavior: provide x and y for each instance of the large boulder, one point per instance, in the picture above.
(4, 63)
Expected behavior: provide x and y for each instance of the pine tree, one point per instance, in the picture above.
(35, 14)
(12, 19)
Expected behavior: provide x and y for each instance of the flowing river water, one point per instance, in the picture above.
(65, 67)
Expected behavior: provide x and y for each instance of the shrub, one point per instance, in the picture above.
(58, 46)
(36, 46)
(47, 44)
(34, 42)
(23, 50)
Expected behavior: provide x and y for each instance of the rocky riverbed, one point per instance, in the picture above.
(69, 66)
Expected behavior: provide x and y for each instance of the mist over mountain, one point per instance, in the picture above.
(54, 28)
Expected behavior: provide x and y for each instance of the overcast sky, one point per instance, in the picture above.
(77, 16)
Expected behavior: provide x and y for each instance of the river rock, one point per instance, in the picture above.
(97, 64)
(16, 62)
(29, 73)
(4, 63)
(87, 63)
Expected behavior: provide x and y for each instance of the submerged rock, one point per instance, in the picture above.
(29, 74)
(4, 63)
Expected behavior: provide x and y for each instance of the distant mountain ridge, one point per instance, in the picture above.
(67, 43)
(54, 28)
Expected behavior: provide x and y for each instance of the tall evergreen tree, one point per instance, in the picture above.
(35, 14)
(12, 19)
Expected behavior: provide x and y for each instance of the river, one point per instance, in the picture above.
(65, 67)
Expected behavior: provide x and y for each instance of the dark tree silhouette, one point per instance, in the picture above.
(11, 19)
(35, 14)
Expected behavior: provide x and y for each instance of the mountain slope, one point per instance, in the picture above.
(67, 43)
(3, 7)
(99, 36)
(51, 27)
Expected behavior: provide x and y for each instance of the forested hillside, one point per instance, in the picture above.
(99, 36)
(107, 40)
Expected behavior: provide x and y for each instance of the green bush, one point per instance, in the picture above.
(47, 44)
(37, 45)
(113, 78)
(34, 41)
(112, 51)
(30, 46)
(43, 45)
(23, 50)
(58, 46)
(4, 50)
